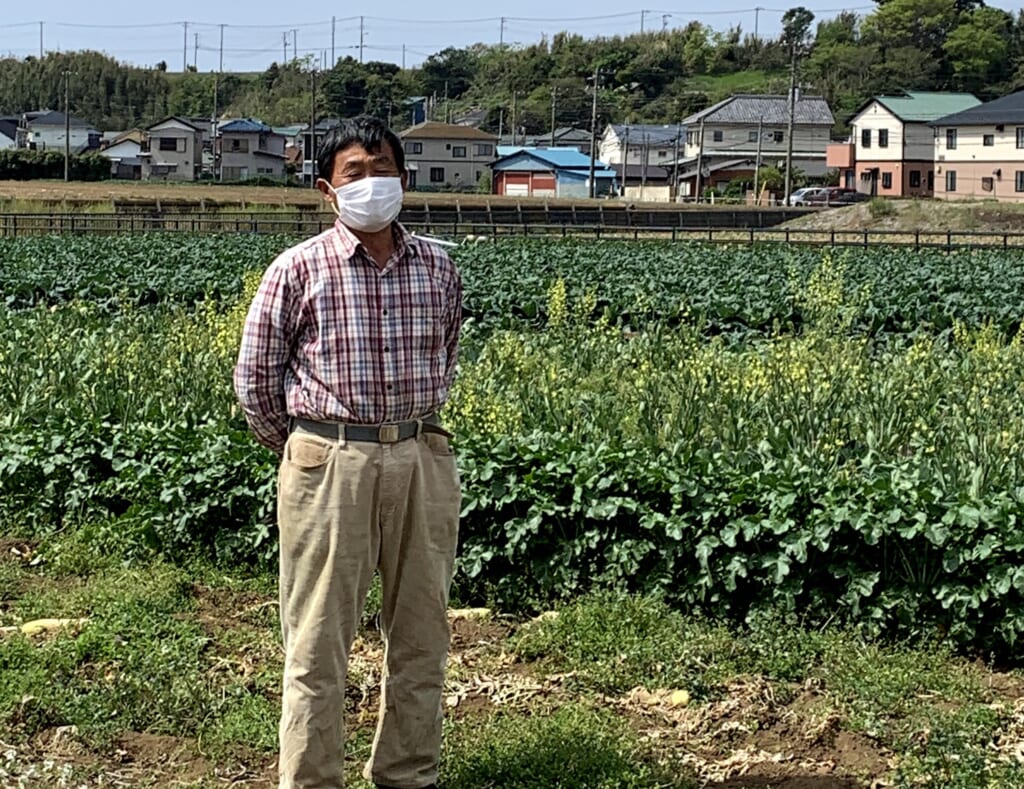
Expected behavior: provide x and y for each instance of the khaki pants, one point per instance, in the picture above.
(346, 509)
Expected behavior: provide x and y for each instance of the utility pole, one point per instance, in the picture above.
(593, 134)
(757, 160)
(184, 50)
(675, 162)
(220, 68)
(213, 126)
(501, 122)
(554, 98)
(295, 44)
(757, 12)
(501, 33)
(643, 13)
(362, 36)
(67, 123)
(512, 123)
(645, 152)
(664, 22)
(625, 159)
(790, 124)
(333, 26)
(40, 40)
(700, 160)
(284, 41)
(312, 130)
(195, 52)
(403, 57)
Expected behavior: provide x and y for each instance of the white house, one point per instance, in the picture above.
(125, 154)
(47, 131)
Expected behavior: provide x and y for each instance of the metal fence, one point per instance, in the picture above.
(668, 226)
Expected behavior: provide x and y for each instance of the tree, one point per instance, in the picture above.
(978, 47)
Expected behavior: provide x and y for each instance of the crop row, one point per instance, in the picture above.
(730, 291)
(817, 474)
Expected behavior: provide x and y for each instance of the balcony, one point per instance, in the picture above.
(840, 155)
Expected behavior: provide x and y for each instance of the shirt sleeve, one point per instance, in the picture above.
(263, 357)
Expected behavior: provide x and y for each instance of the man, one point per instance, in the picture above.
(347, 356)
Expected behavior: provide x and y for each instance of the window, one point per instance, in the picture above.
(414, 147)
(950, 180)
(915, 179)
(662, 154)
(436, 175)
(717, 136)
(459, 152)
(1019, 181)
(1020, 136)
(883, 138)
(265, 170)
(751, 136)
(483, 149)
(239, 146)
(950, 139)
(778, 136)
(988, 140)
(986, 183)
(176, 144)
(691, 137)
(886, 179)
(477, 175)
(865, 138)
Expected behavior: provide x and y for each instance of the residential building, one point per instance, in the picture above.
(8, 133)
(250, 149)
(730, 139)
(310, 142)
(891, 151)
(445, 156)
(564, 137)
(125, 154)
(172, 151)
(47, 130)
(548, 172)
(979, 152)
(640, 143)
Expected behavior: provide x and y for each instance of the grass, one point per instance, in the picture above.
(186, 661)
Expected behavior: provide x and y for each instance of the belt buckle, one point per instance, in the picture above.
(387, 434)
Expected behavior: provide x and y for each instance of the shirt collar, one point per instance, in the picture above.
(351, 246)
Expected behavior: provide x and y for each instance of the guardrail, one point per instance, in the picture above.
(41, 224)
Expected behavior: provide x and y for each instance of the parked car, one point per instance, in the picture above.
(828, 195)
(800, 196)
(848, 198)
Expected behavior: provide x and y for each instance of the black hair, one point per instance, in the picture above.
(364, 130)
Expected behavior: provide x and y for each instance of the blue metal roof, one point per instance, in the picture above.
(555, 158)
(245, 125)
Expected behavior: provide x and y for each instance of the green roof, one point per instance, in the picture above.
(920, 106)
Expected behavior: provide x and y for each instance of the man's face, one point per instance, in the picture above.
(355, 162)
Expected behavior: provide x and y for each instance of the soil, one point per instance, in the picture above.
(916, 216)
(755, 735)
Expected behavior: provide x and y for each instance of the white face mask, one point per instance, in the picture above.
(369, 204)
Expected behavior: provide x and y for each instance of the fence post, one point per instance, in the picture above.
(949, 240)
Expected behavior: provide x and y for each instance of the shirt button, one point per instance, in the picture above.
(386, 349)
(390, 387)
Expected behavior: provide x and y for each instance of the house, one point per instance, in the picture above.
(548, 172)
(891, 150)
(250, 149)
(732, 138)
(442, 156)
(46, 130)
(564, 137)
(979, 152)
(640, 143)
(125, 154)
(310, 142)
(172, 151)
(8, 133)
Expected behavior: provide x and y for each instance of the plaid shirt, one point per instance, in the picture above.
(333, 337)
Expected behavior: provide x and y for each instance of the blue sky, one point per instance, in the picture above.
(132, 32)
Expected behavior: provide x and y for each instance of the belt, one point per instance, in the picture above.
(379, 434)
